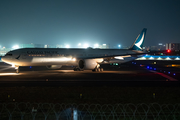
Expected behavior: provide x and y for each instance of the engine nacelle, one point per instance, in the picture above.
(54, 66)
(87, 64)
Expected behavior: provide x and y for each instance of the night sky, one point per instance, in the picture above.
(88, 21)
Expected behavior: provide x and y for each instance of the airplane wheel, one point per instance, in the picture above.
(95, 70)
(17, 70)
(98, 69)
(101, 69)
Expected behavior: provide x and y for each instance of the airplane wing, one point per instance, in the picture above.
(111, 56)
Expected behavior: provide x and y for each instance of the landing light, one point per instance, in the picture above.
(118, 57)
(74, 59)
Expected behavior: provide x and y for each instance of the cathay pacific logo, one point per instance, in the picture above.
(140, 42)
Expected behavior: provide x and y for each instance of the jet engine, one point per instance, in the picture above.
(87, 64)
(54, 66)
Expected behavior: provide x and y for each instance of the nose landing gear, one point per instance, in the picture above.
(17, 69)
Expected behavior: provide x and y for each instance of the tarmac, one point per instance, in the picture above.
(123, 75)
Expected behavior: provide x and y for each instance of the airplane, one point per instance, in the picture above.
(83, 59)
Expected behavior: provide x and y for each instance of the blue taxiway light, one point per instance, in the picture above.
(150, 67)
(147, 67)
(168, 72)
(154, 68)
(174, 74)
(30, 66)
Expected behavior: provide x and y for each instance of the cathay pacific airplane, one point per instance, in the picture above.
(83, 59)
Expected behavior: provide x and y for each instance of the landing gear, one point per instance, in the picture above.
(98, 70)
(77, 69)
(17, 69)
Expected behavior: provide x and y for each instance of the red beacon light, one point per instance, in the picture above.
(168, 50)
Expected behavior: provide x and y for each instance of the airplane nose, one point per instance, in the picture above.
(4, 59)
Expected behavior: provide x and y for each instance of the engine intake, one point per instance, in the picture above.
(87, 64)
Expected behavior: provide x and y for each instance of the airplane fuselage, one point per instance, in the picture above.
(59, 56)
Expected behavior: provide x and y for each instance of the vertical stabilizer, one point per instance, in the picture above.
(138, 44)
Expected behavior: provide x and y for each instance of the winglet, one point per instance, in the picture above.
(138, 43)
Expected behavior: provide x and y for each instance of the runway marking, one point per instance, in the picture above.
(166, 76)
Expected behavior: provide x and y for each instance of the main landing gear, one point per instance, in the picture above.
(98, 70)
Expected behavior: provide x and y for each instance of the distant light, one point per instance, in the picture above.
(159, 58)
(168, 58)
(151, 58)
(15, 47)
(85, 46)
(104, 44)
(79, 44)
(177, 58)
(96, 45)
(168, 50)
(143, 58)
(160, 44)
(67, 46)
(119, 46)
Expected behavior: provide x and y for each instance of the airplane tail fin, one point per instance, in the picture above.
(138, 43)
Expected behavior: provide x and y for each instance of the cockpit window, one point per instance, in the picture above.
(8, 54)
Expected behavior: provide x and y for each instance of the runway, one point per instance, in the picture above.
(128, 83)
(126, 75)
